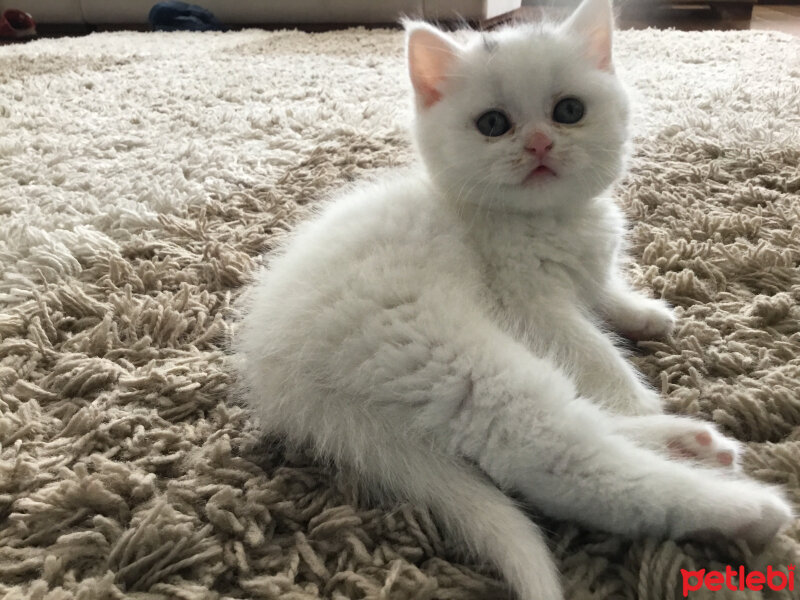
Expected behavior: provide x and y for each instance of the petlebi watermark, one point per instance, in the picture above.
(776, 579)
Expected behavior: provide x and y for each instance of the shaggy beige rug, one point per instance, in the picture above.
(142, 175)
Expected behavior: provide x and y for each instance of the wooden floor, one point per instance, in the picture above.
(765, 18)
(785, 18)
(777, 18)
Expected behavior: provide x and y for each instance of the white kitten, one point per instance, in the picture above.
(441, 332)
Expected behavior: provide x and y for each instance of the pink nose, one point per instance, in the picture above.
(539, 144)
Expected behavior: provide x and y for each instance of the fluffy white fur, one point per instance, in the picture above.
(442, 332)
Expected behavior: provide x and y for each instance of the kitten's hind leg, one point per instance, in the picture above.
(566, 457)
(681, 437)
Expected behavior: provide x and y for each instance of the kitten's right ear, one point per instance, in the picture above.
(594, 21)
(431, 56)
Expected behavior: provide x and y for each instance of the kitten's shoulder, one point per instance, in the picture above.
(408, 190)
(390, 233)
(397, 206)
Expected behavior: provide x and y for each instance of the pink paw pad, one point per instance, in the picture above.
(725, 458)
(707, 446)
(703, 438)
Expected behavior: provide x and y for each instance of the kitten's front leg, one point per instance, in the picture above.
(597, 366)
(634, 315)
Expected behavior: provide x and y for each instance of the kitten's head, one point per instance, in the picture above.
(528, 118)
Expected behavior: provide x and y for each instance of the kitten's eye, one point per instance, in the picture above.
(493, 123)
(568, 111)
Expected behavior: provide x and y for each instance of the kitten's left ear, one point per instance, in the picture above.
(594, 21)
(431, 56)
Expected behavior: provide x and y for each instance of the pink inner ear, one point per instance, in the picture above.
(431, 97)
(600, 49)
(425, 79)
(594, 22)
(430, 57)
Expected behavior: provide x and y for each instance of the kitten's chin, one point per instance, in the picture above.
(545, 193)
(540, 175)
(541, 191)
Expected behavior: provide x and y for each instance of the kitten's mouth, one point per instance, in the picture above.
(540, 173)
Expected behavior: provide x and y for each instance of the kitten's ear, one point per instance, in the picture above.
(431, 56)
(594, 21)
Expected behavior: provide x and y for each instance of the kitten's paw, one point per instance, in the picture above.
(775, 515)
(703, 443)
(744, 510)
(682, 437)
(647, 319)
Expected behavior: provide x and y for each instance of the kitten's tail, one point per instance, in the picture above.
(474, 512)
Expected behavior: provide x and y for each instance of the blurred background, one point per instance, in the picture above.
(77, 17)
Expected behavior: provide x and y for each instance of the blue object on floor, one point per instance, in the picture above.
(180, 16)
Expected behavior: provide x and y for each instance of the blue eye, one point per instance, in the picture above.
(493, 123)
(568, 111)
